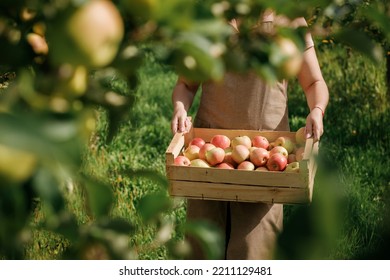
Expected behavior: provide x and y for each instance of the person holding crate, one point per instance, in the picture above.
(251, 229)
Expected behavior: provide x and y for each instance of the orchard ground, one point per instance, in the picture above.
(346, 218)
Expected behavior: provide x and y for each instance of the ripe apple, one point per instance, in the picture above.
(259, 156)
(191, 152)
(215, 156)
(228, 157)
(290, 58)
(241, 140)
(197, 141)
(292, 167)
(299, 153)
(261, 168)
(89, 35)
(300, 137)
(285, 142)
(221, 141)
(279, 150)
(260, 142)
(225, 165)
(277, 162)
(206, 147)
(182, 161)
(199, 163)
(246, 165)
(291, 158)
(271, 146)
(240, 153)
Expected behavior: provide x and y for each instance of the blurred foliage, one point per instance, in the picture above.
(57, 63)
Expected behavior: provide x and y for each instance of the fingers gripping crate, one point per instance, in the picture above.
(240, 185)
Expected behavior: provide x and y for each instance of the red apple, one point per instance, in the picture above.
(285, 142)
(300, 136)
(225, 165)
(221, 141)
(291, 158)
(241, 140)
(240, 153)
(279, 150)
(182, 161)
(277, 162)
(206, 147)
(292, 167)
(215, 156)
(197, 141)
(259, 156)
(199, 163)
(260, 142)
(191, 152)
(246, 165)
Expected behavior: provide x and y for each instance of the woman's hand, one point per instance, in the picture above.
(180, 121)
(314, 124)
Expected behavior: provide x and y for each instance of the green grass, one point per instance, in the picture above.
(352, 181)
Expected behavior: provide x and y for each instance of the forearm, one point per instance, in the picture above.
(317, 95)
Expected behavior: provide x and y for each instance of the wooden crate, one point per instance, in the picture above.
(240, 185)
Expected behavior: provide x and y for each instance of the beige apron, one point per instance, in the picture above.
(242, 102)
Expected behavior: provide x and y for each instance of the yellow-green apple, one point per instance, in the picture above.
(225, 165)
(292, 167)
(285, 142)
(279, 150)
(197, 141)
(240, 153)
(246, 165)
(182, 161)
(199, 163)
(228, 157)
(299, 153)
(261, 168)
(291, 57)
(206, 147)
(300, 136)
(89, 35)
(215, 156)
(191, 152)
(241, 140)
(271, 145)
(277, 162)
(259, 156)
(260, 142)
(291, 158)
(221, 141)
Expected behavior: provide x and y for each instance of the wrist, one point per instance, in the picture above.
(320, 109)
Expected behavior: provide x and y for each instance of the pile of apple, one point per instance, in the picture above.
(242, 152)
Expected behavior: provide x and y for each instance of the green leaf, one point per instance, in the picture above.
(116, 224)
(100, 197)
(361, 42)
(152, 205)
(209, 236)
